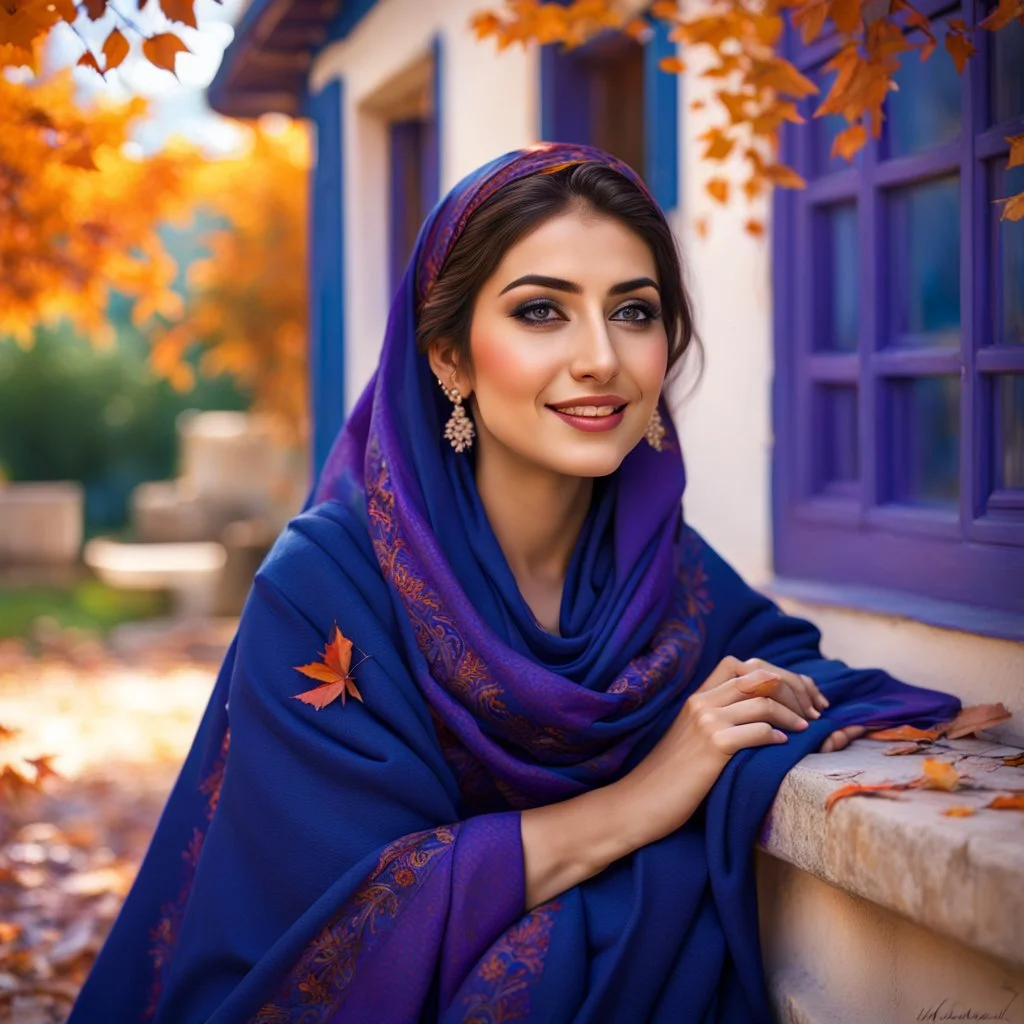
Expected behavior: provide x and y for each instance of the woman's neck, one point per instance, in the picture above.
(536, 517)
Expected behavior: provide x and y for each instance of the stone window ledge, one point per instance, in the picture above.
(962, 877)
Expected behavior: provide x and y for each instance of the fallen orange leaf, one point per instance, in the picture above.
(1008, 803)
(939, 775)
(906, 748)
(907, 732)
(1015, 760)
(958, 812)
(332, 672)
(980, 716)
(863, 789)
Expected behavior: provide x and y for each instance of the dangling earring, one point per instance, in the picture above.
(459, 429)
(655, 432)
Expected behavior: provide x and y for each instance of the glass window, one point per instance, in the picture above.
(1005, 76)
(836, 432)
(924, 447)
(1009, 423)
(1009, 247)
(924, 277)
(873, 265)
(925, 109)
(836, 308)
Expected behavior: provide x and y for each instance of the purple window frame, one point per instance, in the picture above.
(849, 535)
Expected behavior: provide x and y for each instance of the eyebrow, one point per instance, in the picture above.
(560, 285)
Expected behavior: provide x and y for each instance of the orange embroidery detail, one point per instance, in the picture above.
(316, 986)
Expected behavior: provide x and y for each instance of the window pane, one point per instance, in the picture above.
(835, 430)
(835, 291)
(1005, 70)
(1010, 431)
(1009, 276)
(924, 276)
(924, 442)
(925, 111)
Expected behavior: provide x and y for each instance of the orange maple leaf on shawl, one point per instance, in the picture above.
(332, 671)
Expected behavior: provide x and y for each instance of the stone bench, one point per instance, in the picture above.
(190, 571)
(41, 523)
(890, 888)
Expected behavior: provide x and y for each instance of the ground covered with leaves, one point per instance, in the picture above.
(70, 844)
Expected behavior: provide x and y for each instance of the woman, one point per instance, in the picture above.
(537, 793)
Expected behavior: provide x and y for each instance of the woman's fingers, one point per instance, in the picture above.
(842, 738)
(763, 709)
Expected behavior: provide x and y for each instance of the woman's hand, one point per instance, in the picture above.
(741, 704)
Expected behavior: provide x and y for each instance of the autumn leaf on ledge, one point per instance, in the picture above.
(332, 672)
(970, 720)
(938, 775)
(864, 789)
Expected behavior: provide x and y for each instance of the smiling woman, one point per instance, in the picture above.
(568, 715)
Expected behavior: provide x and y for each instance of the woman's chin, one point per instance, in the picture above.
(600, 460)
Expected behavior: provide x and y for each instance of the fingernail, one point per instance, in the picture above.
(779, 735)
(804, 724)
(815, 712)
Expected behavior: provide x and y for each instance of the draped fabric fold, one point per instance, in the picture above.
(363, 862)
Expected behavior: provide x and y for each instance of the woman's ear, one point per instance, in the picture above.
(444, 364)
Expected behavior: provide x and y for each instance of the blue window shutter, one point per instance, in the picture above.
(661, 114)
(326, 274)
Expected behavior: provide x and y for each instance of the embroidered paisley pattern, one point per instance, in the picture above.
(315, 988)
(164, 936)
(499, 989)
(673, 655)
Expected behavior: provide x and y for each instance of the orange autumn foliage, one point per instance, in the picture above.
(246, 306)
(755, 87)
(80, 218)
(78, 213)
(15, 782)
(25, 25)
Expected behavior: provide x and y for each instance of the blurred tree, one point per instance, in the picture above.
(245, 311)
(756, 88)
(79, 214)
(80, 220)
(69, 412)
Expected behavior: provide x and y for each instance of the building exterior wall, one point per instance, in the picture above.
(489, 104)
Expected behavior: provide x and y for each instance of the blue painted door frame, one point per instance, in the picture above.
(326, 274)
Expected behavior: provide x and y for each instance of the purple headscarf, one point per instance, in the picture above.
(523, 714)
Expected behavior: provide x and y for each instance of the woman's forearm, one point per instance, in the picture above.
(568, 842)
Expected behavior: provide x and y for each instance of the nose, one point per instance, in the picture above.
(594, 354)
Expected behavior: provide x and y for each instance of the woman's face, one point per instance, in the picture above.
(571, 315)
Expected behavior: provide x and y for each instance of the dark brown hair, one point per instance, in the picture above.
(520, 207)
